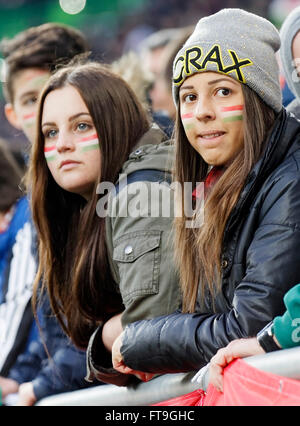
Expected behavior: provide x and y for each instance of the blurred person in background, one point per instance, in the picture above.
(153, 49)
(154, 52)
(31, 56)
(131, 69)
(160, 92)
(290, 57)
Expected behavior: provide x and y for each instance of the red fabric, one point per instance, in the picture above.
(190, 399)
(245, 385)
(210, 180)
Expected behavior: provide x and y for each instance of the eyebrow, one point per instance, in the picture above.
(29, 93)
(210, 83)
(73, 117)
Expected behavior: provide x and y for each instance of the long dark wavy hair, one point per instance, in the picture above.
(198, 250)
(73, 258)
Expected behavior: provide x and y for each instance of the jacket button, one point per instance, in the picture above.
(128, 250)
(224, 264)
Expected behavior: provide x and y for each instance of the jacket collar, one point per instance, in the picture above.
(153, 136)
(280, 144)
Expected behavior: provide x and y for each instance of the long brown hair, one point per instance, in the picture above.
(198, 250)
(73, 259)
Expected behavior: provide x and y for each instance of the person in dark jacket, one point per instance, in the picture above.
(281, 333)
(237, 266)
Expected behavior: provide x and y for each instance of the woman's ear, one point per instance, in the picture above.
(11, 116)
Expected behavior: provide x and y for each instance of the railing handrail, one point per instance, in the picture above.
(284, 363)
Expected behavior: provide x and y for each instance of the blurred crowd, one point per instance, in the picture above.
(124, 30)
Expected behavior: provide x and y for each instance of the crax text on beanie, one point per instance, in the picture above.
(236, 43)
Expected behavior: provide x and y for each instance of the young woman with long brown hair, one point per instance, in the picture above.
(91, 129)
(232, 133)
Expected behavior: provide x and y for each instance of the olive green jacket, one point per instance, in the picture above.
(140, 246)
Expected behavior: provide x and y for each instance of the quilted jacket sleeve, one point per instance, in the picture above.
(183, 342)
(62, 370)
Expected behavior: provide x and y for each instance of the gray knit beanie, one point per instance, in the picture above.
(237, 43)
(289, 29)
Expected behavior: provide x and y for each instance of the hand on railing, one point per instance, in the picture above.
(118, 362)
(239, 348)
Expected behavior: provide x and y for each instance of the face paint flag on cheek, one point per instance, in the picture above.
(89, 143)
(187, 120)
(50, 153)
(232, 113)
(29, 119)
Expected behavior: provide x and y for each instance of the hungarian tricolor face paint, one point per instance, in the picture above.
(229, 114)
(88, 143)
(27, 87)
(71, 144)
(187, 120)
(50, 153)
(29, 119)
(232, 113)
(211, 107)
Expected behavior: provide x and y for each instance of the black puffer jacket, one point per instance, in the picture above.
(260, 261)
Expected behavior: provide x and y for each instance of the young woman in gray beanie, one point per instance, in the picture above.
(232, 133)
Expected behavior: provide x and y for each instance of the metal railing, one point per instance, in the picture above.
(284, 363)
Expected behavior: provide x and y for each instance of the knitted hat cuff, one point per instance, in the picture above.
(235, 43)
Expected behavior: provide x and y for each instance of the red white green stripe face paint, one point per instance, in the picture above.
(88, 143)
(232, 113)
(29, 119)
(71, 146)
(211, 112)
(188, 120)
(27, 87)
(50, 153)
